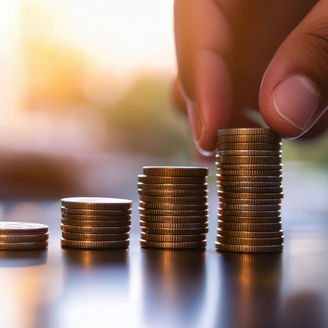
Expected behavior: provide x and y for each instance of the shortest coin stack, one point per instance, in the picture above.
(23, 236)
(173, 207)
(95, 222)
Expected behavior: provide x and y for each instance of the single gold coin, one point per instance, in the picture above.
(250, 234)
(248, 207)
(172, 186)
(173, 193)
(94, 236)
(250, 172)
(22, 246)
(157, 225)
(249, 167)
(248, 249)
(150, 211)
(172, 245)
(79, 211)
(172, 238)
(174, 200)
(94, 244)
(180, 231)
(95, 230)
(226, 212)
(256, 153)
(261, 227)
(22, 228)
(248, 178)
(249, 184)
(266, 190)
(10, 238)
(251, 195)
(85, 223)
(249, 146)
(171, 180)
(96, 217)
(250, 219)
(246, 131)
(175, 171)
(250, 241)
(249, 138)
(169, 206)
(249, 160)
(249, 201)
(174, 219)
(104, 203)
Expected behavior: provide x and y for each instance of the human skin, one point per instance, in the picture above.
(237, 54)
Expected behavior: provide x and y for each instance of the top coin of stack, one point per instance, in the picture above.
(250, 192)
(173, 207)
(95, 222)
(23, 236)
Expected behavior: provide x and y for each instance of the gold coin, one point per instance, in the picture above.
(169, 206)
(172, 245)
(260, 227)
(225, 212)
(174, 219)
(248, 178)
(251, 195)
(171, 180)
(250, 234)
(250, 201)
(94, 244)
(173, 193)
(243, 172)
(249, 184)
(249, 146)
(250, 219)
(248, 207)
(250, 241)
(157, 225)
(266, 190)
(94, 236)
(23, 246)
(85, 223)
(246, 131)
(249, 167)
(249, 160)
(175, 171)
(79, 211)
(95, 230)
(96, 217)
(22, 228)
(150, 211)
(174, 200)
(172, 186)
(23, 238)
(180, 231)
(172, 238)
(100, 203)
(248, 249)
(249, 138)
(233, 152)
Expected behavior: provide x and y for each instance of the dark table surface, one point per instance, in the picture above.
(162, 288)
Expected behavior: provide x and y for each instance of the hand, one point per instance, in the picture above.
(237, 54)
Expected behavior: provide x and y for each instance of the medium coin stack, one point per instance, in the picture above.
(23, 236)
(173, 207)
(249, 181)
(95, 222)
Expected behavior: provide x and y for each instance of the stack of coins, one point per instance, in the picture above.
(23, 236)
(173, 207)
(250, 191)
(95, 222)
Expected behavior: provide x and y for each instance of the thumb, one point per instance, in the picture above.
(294, 90)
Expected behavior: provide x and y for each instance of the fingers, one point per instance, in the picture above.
(202, 42)
(294, 91)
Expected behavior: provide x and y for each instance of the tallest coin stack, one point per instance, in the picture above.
(250, 192)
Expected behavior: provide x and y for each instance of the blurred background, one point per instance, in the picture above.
(85, 98)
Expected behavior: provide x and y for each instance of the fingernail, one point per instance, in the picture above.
(296, 100)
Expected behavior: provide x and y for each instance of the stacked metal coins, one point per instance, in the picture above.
(173, 207)
(250, 191)
(95, 222)
(23, 236)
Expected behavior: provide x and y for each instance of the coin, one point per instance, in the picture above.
(94, 236)
(249, 213)
(251, 195)
(250, 234)
(249, 160)
(249, 201)
(95, 212)
(250, 219)
(261, 227)
(23, 246)
(24, 228)
(100, 203)
(175, 231)
(171, 180)
(175, 171)
(249, 184)
(249, 167)
(243, 172)
(246, 131)
(249, 146)
(94, 244)
(248, 178)
(250, 241)
(95, 230)
(248, 249)
(174, 200)
(96, 217)
(232, 152)
(251, 189)
(157, 225)
(146, 211)
(172, 245)
(172, 238)
(173, 193)
(174, 219)
(172, 186)
(249, 139)
(248, 207)
(169, 206)
(10, 238)
(85, 223)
